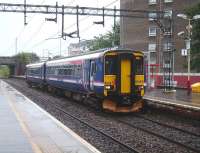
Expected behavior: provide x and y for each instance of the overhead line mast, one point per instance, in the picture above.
(25, 23)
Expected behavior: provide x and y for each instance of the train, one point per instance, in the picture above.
(114, 76)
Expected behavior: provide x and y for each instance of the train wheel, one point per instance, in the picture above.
(77, 97)
(29, 85)
(51, 90)
(68, 94)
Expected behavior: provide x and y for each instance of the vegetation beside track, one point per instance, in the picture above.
(4, 71)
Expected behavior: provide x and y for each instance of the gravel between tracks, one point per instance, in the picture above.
(138, 139)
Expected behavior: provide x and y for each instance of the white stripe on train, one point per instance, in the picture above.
(99, 84)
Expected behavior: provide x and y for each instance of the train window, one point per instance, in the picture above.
(56, 71)
(139, 65)
(47, 70)
(93, 68)
(70, 72)
(73, 70)
(50, 70)
(53, 70)
(79, 68)
(60, 72)
(64, 71)
(111, 65)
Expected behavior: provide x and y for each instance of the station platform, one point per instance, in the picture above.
(26, 128)
(178, 98)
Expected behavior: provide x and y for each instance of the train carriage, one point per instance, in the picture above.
(116, 76)
(123, 80)
(79, 74)
(35, 74)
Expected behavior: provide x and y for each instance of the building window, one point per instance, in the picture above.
(152, 47)
(152, 57)
(151, 2)
(168, 31)
(152, 31)
(167, 46)
(152, 16)
(168, 1)
(168, 13)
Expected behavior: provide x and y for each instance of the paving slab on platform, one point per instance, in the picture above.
(26, 128)
(12, 137)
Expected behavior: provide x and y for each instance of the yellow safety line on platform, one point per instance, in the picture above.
(24, 127)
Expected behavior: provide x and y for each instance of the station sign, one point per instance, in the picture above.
(184, 52)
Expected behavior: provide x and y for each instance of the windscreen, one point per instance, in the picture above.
(110, 65)
(139, 65)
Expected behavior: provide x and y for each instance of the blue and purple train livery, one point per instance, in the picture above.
(115, 76)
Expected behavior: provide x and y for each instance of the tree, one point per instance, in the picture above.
(195, 46)
(57, 57)
(24, 58)
(110, 39)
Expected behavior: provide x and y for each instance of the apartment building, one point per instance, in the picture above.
(145, 34)
(78, 48)
(161, 47)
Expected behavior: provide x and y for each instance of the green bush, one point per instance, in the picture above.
(4, 71)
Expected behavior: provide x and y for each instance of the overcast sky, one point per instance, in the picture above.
(32, 37)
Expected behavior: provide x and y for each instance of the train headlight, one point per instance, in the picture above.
(108, 87)
(140, 88)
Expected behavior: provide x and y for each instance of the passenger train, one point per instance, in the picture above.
(115, 76)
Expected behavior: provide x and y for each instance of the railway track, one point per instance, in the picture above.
(128, 147)
(168, 126)
(160, 136)
(116, 140)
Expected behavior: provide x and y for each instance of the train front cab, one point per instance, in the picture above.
(123, 81)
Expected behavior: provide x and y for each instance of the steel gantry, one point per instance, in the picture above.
(75, 10)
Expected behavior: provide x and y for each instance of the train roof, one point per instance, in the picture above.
(89, 55)
(73, 58)
(35, 65)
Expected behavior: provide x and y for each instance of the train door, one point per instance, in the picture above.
(138, 74)
(92, 74)
(125, 75)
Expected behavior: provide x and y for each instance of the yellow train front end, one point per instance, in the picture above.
(123, 81)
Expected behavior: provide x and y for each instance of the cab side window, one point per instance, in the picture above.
(93, 68)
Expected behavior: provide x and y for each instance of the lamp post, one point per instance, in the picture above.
(188, 43)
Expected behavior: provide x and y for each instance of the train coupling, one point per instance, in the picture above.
(112, 106)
